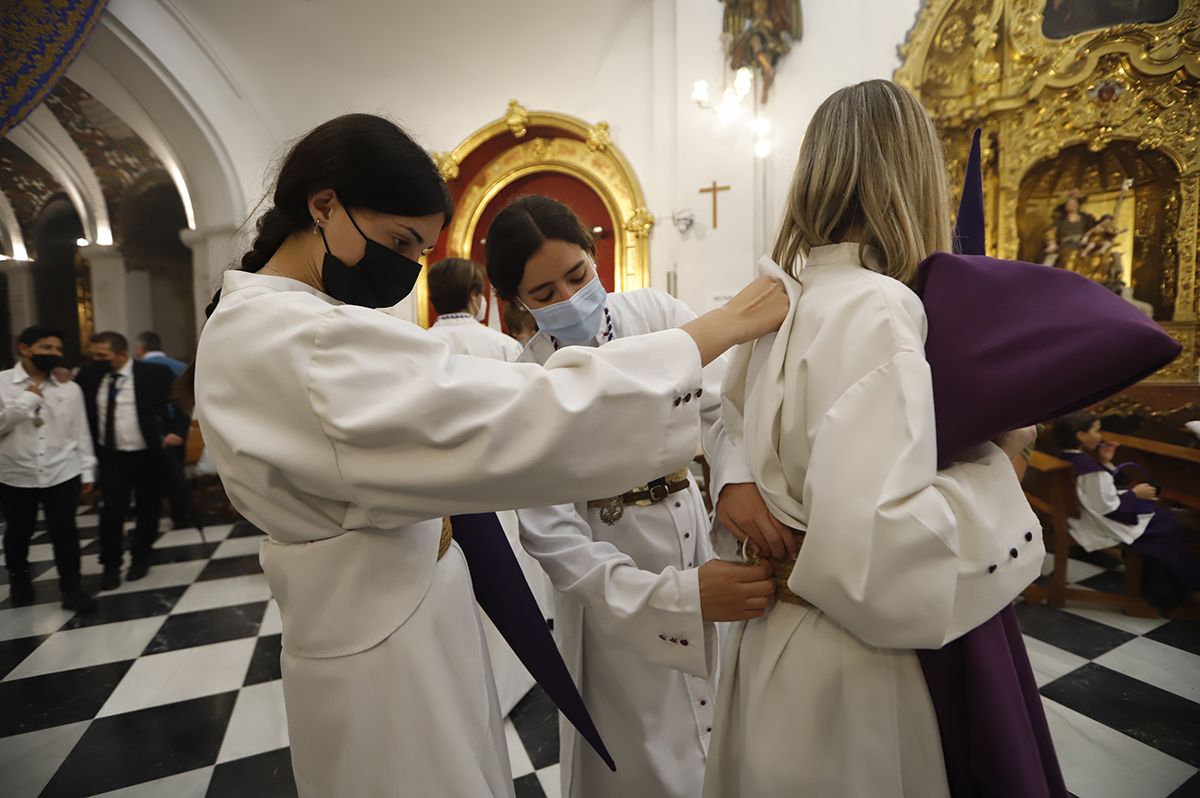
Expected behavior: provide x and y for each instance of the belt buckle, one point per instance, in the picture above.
(612, 510)
(658, 493)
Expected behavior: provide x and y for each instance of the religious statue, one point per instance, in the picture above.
(1064, 237)
(760, 32)
(1079, 242)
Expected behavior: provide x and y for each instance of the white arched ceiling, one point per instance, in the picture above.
(10, 231)
(135, 63)
(44, 139)
(100, 83)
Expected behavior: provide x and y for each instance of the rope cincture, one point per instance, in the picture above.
(783, 570)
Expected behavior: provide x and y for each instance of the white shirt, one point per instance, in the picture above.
(128, 430)
(465, 336)
(43, 456)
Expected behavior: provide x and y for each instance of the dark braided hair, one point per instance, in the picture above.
(369, 161)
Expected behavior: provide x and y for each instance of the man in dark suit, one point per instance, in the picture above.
(128, 406)
(147, 348)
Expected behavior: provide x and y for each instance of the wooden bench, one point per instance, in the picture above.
(1050, 488)
(1176, 468)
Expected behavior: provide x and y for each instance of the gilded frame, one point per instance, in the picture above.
(596, 161)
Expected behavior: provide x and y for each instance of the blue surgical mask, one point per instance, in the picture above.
(575, 320)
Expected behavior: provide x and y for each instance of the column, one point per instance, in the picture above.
(110, 301)
(22, 300)
(214, 250)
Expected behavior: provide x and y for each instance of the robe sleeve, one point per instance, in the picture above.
(1098, 492)
(419, 433)
(657, 615)
(727, 465)
(900, 554)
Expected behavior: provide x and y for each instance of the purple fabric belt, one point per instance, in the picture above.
(503, 593)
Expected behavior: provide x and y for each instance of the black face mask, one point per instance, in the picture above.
(45, 363)
(379, 280)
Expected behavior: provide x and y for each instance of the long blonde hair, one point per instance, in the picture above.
(870, 170)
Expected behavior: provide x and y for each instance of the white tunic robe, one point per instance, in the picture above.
(466, 336)
(628, 611)
(835, 416)
(346, 434)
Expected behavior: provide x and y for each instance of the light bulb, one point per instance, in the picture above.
(730, 107)
(81, 242)
(4, 257)
(743, 81)
(700, 91)
(762, 148)
(762, 127)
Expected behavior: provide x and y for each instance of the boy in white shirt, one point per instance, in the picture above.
(46, 460)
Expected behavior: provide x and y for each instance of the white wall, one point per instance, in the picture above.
(253, 76)
(846, 41)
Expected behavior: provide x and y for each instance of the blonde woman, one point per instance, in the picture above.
(824, 695)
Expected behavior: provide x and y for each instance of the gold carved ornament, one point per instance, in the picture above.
(585, 152)
(987, 63)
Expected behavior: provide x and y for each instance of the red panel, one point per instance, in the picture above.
(579, 196)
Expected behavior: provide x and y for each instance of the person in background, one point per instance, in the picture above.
(46, 460)
(128, 407)
(148, 348)
(519, 323)
(456, 289)
(1114, 512)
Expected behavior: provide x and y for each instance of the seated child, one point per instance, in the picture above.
(1111, 512)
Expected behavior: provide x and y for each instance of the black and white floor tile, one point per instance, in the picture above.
(173, 687)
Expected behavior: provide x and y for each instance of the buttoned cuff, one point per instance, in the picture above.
(693, 639)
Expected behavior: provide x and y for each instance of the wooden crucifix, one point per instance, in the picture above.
(713, 189)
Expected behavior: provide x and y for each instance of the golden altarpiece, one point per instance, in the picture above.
(1095, 97)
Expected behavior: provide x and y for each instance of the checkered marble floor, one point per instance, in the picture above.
(173, 687)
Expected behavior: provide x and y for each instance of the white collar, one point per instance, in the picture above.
(850, 252)
(155, 353)
(20, 375)
(239, 280)
(453, 319)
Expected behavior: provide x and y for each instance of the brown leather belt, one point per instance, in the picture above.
(783, 570)
(653, 492)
